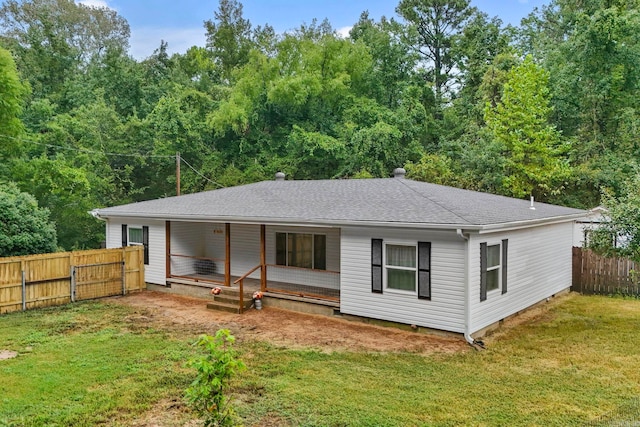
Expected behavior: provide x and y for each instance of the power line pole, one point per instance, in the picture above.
(177, 173)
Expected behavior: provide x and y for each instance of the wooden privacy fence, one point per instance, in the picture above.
(600, 275)
(44, 280)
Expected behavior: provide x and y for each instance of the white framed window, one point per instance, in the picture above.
(303, 250)
(494, 267)
(136, 236)
(400, 267)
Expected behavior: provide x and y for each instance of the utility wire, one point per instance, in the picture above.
(201, 175)
(84, 150)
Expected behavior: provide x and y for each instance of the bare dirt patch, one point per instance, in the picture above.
(7, 354)
(167, 413)
(285, 328)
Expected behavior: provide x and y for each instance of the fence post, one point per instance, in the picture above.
(124, 277)
(576, 267)
(141, 282)
(72, 283)
(24, 291)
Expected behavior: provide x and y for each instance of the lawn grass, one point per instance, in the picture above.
(85, 364)
(89, 365)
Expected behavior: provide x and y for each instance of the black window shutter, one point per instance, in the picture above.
(505, 245)
(124, 235)
(145, 243)
(483, 271)
(424, 270)
(376, 265)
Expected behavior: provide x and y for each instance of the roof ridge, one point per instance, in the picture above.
(433, 201)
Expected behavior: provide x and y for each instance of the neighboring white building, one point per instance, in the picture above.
(391, 249)
(591, 221)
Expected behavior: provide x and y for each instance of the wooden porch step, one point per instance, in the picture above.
(229, 300)
(231, 307)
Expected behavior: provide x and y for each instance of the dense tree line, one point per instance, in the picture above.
(548, 108)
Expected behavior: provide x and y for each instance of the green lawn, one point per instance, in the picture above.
(96, 363)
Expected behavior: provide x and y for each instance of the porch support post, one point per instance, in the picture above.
(227, 254)
(263, 258)
(167, 240)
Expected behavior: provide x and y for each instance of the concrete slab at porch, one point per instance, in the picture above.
(288, 296)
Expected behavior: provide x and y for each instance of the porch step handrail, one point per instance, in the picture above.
(240, 281)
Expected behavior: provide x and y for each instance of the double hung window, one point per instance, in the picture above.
(135, 236)
(400, 267)
(493, 267)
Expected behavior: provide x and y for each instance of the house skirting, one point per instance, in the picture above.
(487, 330)
(282, 301)
(332, 308)
(301, 304)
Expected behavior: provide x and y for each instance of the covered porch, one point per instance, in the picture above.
(255, 258)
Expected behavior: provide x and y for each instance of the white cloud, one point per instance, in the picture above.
(344, 31)
(95, 3)
(144, 41)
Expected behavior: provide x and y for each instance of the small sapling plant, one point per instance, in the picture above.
(207, 393)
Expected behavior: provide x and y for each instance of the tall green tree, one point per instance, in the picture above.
(520, 124)
(394, 63)
(229, 37)
(310, 83)
(434, 27)
(65, 191)
(12, 94)
(54, 39)
(481, 42)
(25, 228)
(592, 52)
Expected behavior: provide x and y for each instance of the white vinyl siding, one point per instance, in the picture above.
(538, 266)
(154, 272)
(444, 311)
(207, 240)
(245, 249)
(188, 238)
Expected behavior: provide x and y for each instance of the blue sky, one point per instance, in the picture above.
(180, 22)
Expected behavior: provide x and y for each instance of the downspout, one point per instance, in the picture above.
(467, 302)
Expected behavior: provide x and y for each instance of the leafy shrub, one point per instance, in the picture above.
(207, 393)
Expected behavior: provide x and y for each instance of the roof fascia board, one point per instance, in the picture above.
(481, 229)
(288, 222)
(518, 225)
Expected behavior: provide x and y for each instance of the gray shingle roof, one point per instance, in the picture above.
(386, 200)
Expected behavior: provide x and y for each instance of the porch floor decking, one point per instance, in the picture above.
(251, 285)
